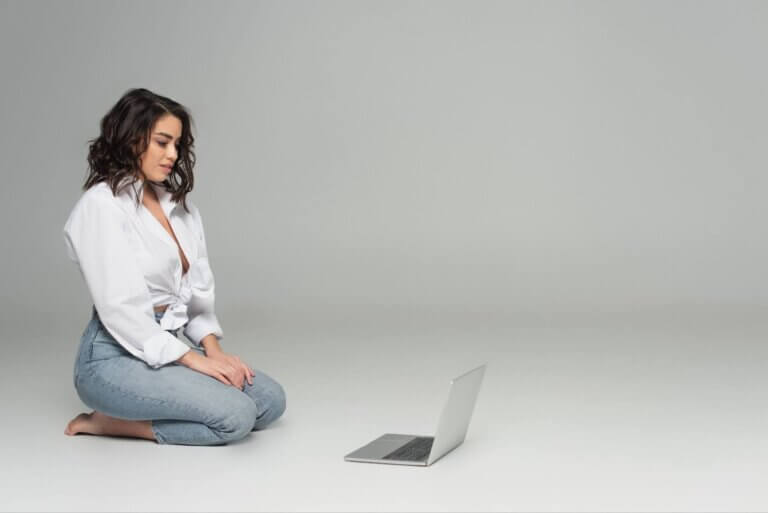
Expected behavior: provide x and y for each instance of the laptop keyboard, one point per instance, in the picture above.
(416, 450)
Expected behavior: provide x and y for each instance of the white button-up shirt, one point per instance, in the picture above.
(130, 264)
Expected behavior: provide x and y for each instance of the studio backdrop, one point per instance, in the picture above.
(409, 155)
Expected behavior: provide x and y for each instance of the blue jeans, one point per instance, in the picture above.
(185, 406)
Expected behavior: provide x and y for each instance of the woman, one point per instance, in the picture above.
(140, 246)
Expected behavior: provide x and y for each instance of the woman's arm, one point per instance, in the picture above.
(203, 327)
(200, 309)
(96, 234)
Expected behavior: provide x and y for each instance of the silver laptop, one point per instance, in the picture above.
(425, 450)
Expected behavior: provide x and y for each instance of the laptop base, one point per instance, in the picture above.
(376, 451)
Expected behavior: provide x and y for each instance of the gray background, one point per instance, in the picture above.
(393, 192)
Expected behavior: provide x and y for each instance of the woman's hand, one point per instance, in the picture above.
(217, 368)
(243, 372)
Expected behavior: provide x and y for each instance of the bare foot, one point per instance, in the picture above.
(97, 423)
(85, 423)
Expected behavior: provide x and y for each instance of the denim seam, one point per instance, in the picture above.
(91, 359)
(93, 339)
(159, 438)
(89, 342)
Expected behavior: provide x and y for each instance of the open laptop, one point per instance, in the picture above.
(425, 450)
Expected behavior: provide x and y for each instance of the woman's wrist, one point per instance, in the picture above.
(187, 358)
(211, 344)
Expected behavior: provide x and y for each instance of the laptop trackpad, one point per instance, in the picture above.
(382, 446)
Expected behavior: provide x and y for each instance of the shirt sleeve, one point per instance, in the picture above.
(200, 309)
(96, 234)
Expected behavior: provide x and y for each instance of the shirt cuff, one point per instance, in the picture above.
(162, 349)
(200, 326)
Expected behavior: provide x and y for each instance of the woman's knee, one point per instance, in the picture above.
(278, 401)
(237, 422)
(273, 403)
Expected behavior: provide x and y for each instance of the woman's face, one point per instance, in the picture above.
(161, 153)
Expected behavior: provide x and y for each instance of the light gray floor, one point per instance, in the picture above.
(651, 411)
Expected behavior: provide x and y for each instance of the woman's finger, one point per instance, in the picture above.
(227, 379)
(226, 371)
(232, 380)
(222, 378)
(247, 373)
(235, 377)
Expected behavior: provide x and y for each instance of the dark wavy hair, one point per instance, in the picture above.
(114, 156)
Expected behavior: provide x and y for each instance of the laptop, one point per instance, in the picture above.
(425, 450)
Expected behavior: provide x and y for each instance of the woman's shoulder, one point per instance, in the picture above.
(99, 198)
(97, 193)
(101, 193)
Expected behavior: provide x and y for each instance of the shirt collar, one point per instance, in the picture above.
(136, 190)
